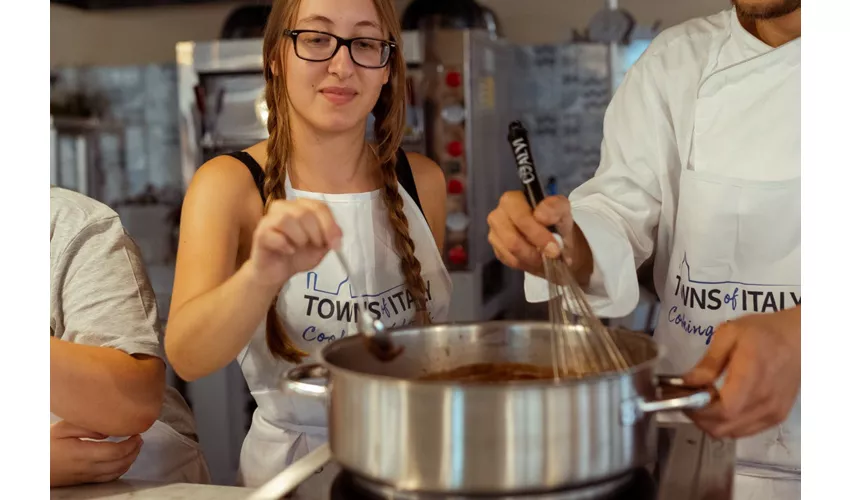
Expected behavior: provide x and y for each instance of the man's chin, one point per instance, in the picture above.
(765, 9)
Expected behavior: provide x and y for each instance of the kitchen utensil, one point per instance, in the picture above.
(483, 438)
(372, 330)
(593, 350)
(286, 482)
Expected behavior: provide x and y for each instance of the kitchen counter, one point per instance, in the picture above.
(120, 490)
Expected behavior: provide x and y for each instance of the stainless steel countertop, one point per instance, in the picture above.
(119, 490)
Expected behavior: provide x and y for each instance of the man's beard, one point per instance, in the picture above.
(772, 10)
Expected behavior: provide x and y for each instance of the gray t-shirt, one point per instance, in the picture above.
(100, 294)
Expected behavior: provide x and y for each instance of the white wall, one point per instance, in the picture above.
(130, 36)
(139, 36)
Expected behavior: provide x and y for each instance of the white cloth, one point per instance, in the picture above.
(701, 164)
(316, 308)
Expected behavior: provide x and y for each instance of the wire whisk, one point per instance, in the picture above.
(581, 344)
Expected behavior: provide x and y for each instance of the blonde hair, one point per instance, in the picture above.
(389, 112)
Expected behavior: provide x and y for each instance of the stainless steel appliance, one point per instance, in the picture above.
(460, 99)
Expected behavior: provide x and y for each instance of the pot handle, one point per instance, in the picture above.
(294, 377)
(676, 395)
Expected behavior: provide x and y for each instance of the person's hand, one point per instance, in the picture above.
(292, 237)
(760, 354)
(75, 461)
(519, 237)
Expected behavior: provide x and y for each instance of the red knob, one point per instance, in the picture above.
(453, 79)
(457, 255)
(455, 148)
(455, 186)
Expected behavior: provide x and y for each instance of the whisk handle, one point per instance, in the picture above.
(521, 148)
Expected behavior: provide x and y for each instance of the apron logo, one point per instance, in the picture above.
(681, 320)
(728, 298)
(345, 308)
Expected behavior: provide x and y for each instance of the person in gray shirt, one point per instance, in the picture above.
(112, 415)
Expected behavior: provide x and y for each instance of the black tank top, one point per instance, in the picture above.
(402, 171)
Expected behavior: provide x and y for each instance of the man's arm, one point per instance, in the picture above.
(617, 212)
(107, 373)
(104, 389)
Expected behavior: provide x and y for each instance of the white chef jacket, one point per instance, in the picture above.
(700, 165)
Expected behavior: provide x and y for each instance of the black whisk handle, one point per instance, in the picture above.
(521, 148)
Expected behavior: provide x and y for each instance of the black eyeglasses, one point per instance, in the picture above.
(318, 46)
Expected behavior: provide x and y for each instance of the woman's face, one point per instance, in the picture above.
(335, 95)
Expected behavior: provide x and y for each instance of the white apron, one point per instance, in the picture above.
(316, 308)
(166, 457)
(736, 248)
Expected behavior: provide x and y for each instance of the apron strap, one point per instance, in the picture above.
(255, 168)
(402, 170)
(405, 177)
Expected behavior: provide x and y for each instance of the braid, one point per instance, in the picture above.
(274, 187)
(410, 266)
(389, 112)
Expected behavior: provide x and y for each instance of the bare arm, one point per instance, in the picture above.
(431, 185)
(215, 307)
(103, 389)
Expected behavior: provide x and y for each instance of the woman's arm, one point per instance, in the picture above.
(215, 307)
(431, 185)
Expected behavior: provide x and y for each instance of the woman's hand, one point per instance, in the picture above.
(293, 237)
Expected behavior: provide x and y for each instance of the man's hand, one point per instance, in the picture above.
(74, 461)
(761, 356)
(519, 236)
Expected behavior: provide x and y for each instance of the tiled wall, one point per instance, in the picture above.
(142, 99)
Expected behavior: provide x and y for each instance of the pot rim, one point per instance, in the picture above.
(514, 384)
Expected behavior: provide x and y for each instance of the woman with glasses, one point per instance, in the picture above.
(255, 280)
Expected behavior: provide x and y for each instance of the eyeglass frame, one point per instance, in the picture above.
(340, 42)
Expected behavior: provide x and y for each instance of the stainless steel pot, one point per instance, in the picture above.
(502, 438)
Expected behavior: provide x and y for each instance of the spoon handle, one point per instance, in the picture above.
(365, 322)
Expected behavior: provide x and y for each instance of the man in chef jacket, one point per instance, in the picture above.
(111, 413)
(700, 168)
